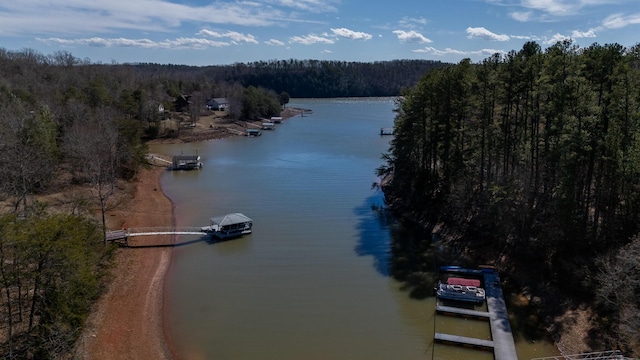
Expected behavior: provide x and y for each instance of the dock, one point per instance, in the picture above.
(502, 343)
(155, 236)
(501, 334)
(480, 344)
(466, 313)
(222, 227)
(186, 162)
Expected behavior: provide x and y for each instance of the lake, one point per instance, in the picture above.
(313, 279)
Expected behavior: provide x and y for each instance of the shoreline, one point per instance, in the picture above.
(128, 319)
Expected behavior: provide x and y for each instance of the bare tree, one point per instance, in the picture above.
(198, 100)
(93, 147)
(619, 285)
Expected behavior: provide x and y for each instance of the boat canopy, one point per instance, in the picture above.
(230, 219)
(463, 281)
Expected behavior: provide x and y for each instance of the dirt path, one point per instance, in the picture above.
(127, 322)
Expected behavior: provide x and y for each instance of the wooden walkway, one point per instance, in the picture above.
(158, 236)
(464, 341)
(466, 313)
(504, 346)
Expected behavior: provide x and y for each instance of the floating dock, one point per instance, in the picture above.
(464, 341)
(502, 342)
(466, 313)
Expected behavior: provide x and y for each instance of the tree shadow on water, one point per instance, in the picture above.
(397, 251)
(373, 232)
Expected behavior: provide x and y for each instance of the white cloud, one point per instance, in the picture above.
(553, 7)
(274, 42)
(81, 17)
(591, 33)
(236, 37)
(525, 37)
(449, 51)
(316, 6)
(482, 33)
(413, 37)
(488, 52)
(617, 21)
(310, 40)
(350, 34)
(522, 16)
(410, 23)
(550, 10)
(433, 51)
(179, 43)
(555, 38)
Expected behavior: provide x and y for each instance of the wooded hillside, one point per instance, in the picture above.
(534, 157)
(313, 78)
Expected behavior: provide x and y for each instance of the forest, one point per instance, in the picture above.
(316, 78)
(531, 160)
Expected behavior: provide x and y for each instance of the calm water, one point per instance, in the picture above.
(312, 281)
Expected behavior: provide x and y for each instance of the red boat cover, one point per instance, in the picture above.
(463, 282)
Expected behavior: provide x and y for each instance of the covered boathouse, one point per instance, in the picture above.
(229, 226)
(186, 162)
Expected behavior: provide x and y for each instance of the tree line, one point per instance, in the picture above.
(534, 155)
(317, 78)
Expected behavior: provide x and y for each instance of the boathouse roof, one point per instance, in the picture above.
(230, 219)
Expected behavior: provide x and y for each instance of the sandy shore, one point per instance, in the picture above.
(127, 321)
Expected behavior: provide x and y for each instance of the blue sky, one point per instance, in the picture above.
(205, 32)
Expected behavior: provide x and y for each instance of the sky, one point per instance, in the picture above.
(221, 32)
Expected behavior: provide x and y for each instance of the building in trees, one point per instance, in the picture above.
(219, 104)
(182, 103)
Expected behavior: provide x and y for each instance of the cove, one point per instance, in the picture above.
(313, 280)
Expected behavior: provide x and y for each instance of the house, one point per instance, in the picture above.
(182, 103)
(218, 104)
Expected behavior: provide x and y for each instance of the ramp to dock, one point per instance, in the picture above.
(165, 231)
(157, 236)
(505, 348)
